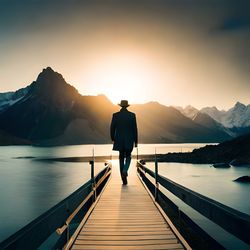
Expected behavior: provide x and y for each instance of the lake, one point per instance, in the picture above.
(29, 187)
(215, 183)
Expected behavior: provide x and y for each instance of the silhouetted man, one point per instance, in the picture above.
(123, 131)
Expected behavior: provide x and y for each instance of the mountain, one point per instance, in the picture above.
(235, 121)
(189, 111)
(238, 116)
(204, 119)
(214, 113)
(207, 121)
(9, 98)
(158, 123)
(43, 110)
(54, 109)
(51, 112)
(235, 152)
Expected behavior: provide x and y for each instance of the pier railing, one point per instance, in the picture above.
(231, 220)
(54, 228)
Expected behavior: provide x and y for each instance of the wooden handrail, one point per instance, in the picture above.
(60, 230)
(166, 218)
(232, 220)
(69, 243)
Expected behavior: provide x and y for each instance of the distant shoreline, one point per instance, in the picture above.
(235, 152)
(101, 143)
(170, 157)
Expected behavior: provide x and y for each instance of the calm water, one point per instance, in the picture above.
(212, 182)
(215, 183)
(29, 187)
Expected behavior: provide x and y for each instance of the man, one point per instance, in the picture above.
(123, 131)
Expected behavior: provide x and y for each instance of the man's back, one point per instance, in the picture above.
(123, 130)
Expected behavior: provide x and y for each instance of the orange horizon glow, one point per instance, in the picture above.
(161, 52)
(120, 75)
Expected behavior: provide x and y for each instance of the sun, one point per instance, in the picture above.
(121, 76)
(124, 80)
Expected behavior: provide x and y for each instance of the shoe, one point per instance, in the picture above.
(124, 179)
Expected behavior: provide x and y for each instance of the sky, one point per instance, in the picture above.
(177, 52)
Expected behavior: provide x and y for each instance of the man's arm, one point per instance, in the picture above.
(135, 132)
(112, 128)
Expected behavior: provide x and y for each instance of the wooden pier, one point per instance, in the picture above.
(104, 214)
(125, 217)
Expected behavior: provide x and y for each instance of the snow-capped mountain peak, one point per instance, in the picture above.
(237, 116)
(189, 111)
(7, 99)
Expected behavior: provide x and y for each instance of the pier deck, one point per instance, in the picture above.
(125, 217)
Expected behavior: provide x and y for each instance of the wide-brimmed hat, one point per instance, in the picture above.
(123, 103)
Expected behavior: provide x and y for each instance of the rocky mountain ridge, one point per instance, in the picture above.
(235, 121)
(51, 112)
(237, 116)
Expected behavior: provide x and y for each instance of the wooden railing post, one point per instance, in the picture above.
(92, 164)
(156, 178)
(93, 179)
(68, 232)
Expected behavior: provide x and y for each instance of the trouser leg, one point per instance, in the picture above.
(121, 160)
(127, 161)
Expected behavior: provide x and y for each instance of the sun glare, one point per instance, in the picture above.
(119, 77)
(123, 81)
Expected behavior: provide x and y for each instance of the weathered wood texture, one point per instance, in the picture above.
(126, 218)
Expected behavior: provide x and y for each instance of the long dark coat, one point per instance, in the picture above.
(123, 130)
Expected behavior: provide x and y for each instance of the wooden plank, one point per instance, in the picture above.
(115, 227)
(125, 233)
(132, 220)
(126, 242)
(127, 213)
(129, 199)
(127, 210)
(125, 218)
(143, 247)
(125, 222)
(107, 216)
(124, 213)
(126, 237)
(119, 210)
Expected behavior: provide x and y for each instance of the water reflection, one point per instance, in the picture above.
(29, 188)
